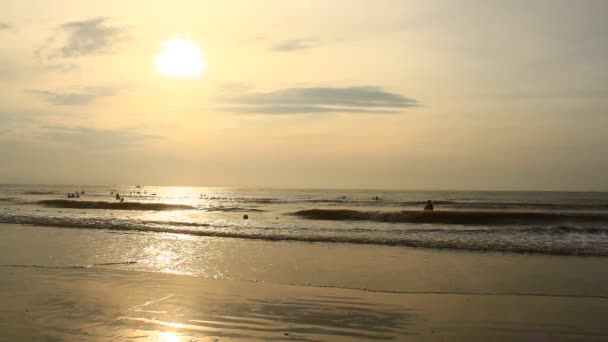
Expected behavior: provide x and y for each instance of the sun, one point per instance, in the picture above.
(180, 58)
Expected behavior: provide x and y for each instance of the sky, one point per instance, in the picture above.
(462, 95)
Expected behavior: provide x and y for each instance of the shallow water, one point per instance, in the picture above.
(562, 223)
(367, 267)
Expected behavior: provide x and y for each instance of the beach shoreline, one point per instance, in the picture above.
(101, 304)
(91, 284)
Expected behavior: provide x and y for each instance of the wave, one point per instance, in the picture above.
(8, 199)
(560, 240)
(450, 217)
(76, 204)
(71, 266)
(452, 204)
(505, 230)
(234, 209)
(328, 201)
(516, 205)
(39, 193)
(258, 200)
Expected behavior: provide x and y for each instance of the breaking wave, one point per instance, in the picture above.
(257, 200)
(76, 204)
(233, 209)
(39, 192)
(451, 217)
(513, 205)
(559, 240)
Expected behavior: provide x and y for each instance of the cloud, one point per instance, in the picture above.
(8, 118)
(362, 99)
(62, 67)
(89, 137)
(302, 110)
(294, 44)
(81, 97)
(254, 39)
(18, 127)
(63, 99)
(96, 36)
(234, 87)
(5, 27)
(89, 37)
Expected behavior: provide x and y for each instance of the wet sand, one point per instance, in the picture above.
(95, 285)
(100, 304)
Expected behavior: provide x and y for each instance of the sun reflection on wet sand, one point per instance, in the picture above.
(167, 337)
(110, 305)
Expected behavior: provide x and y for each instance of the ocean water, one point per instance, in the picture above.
(560, 223)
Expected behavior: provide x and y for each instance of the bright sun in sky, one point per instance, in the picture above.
(180, 58)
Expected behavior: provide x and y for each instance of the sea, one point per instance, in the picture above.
(557, 223)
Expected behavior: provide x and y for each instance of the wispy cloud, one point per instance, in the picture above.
(234, 87)
(96, 36)
(286, 110)
(62, 67)
(80, 97)
(11, 118)
(63, 99)
(255, 39)
(90, 137)
(361, 99)
(294, 44)
(89, 37)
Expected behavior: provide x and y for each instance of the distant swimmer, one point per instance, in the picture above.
(343, 197)
(122, 199)
(117, 196)
(376, 198)
(429, 206)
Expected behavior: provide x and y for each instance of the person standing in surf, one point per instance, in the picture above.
(429, 206)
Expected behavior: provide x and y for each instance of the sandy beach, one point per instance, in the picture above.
(314, 292)
(95, 304)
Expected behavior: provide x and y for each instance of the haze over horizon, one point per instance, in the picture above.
(465, 95)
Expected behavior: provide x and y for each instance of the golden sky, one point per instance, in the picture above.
(506, 95)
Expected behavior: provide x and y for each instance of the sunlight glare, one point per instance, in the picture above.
(180, 58)
(168, 337)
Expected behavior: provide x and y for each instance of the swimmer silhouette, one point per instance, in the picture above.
(429, 206)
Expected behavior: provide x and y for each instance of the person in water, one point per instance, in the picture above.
(429, 206)
(117, 196)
